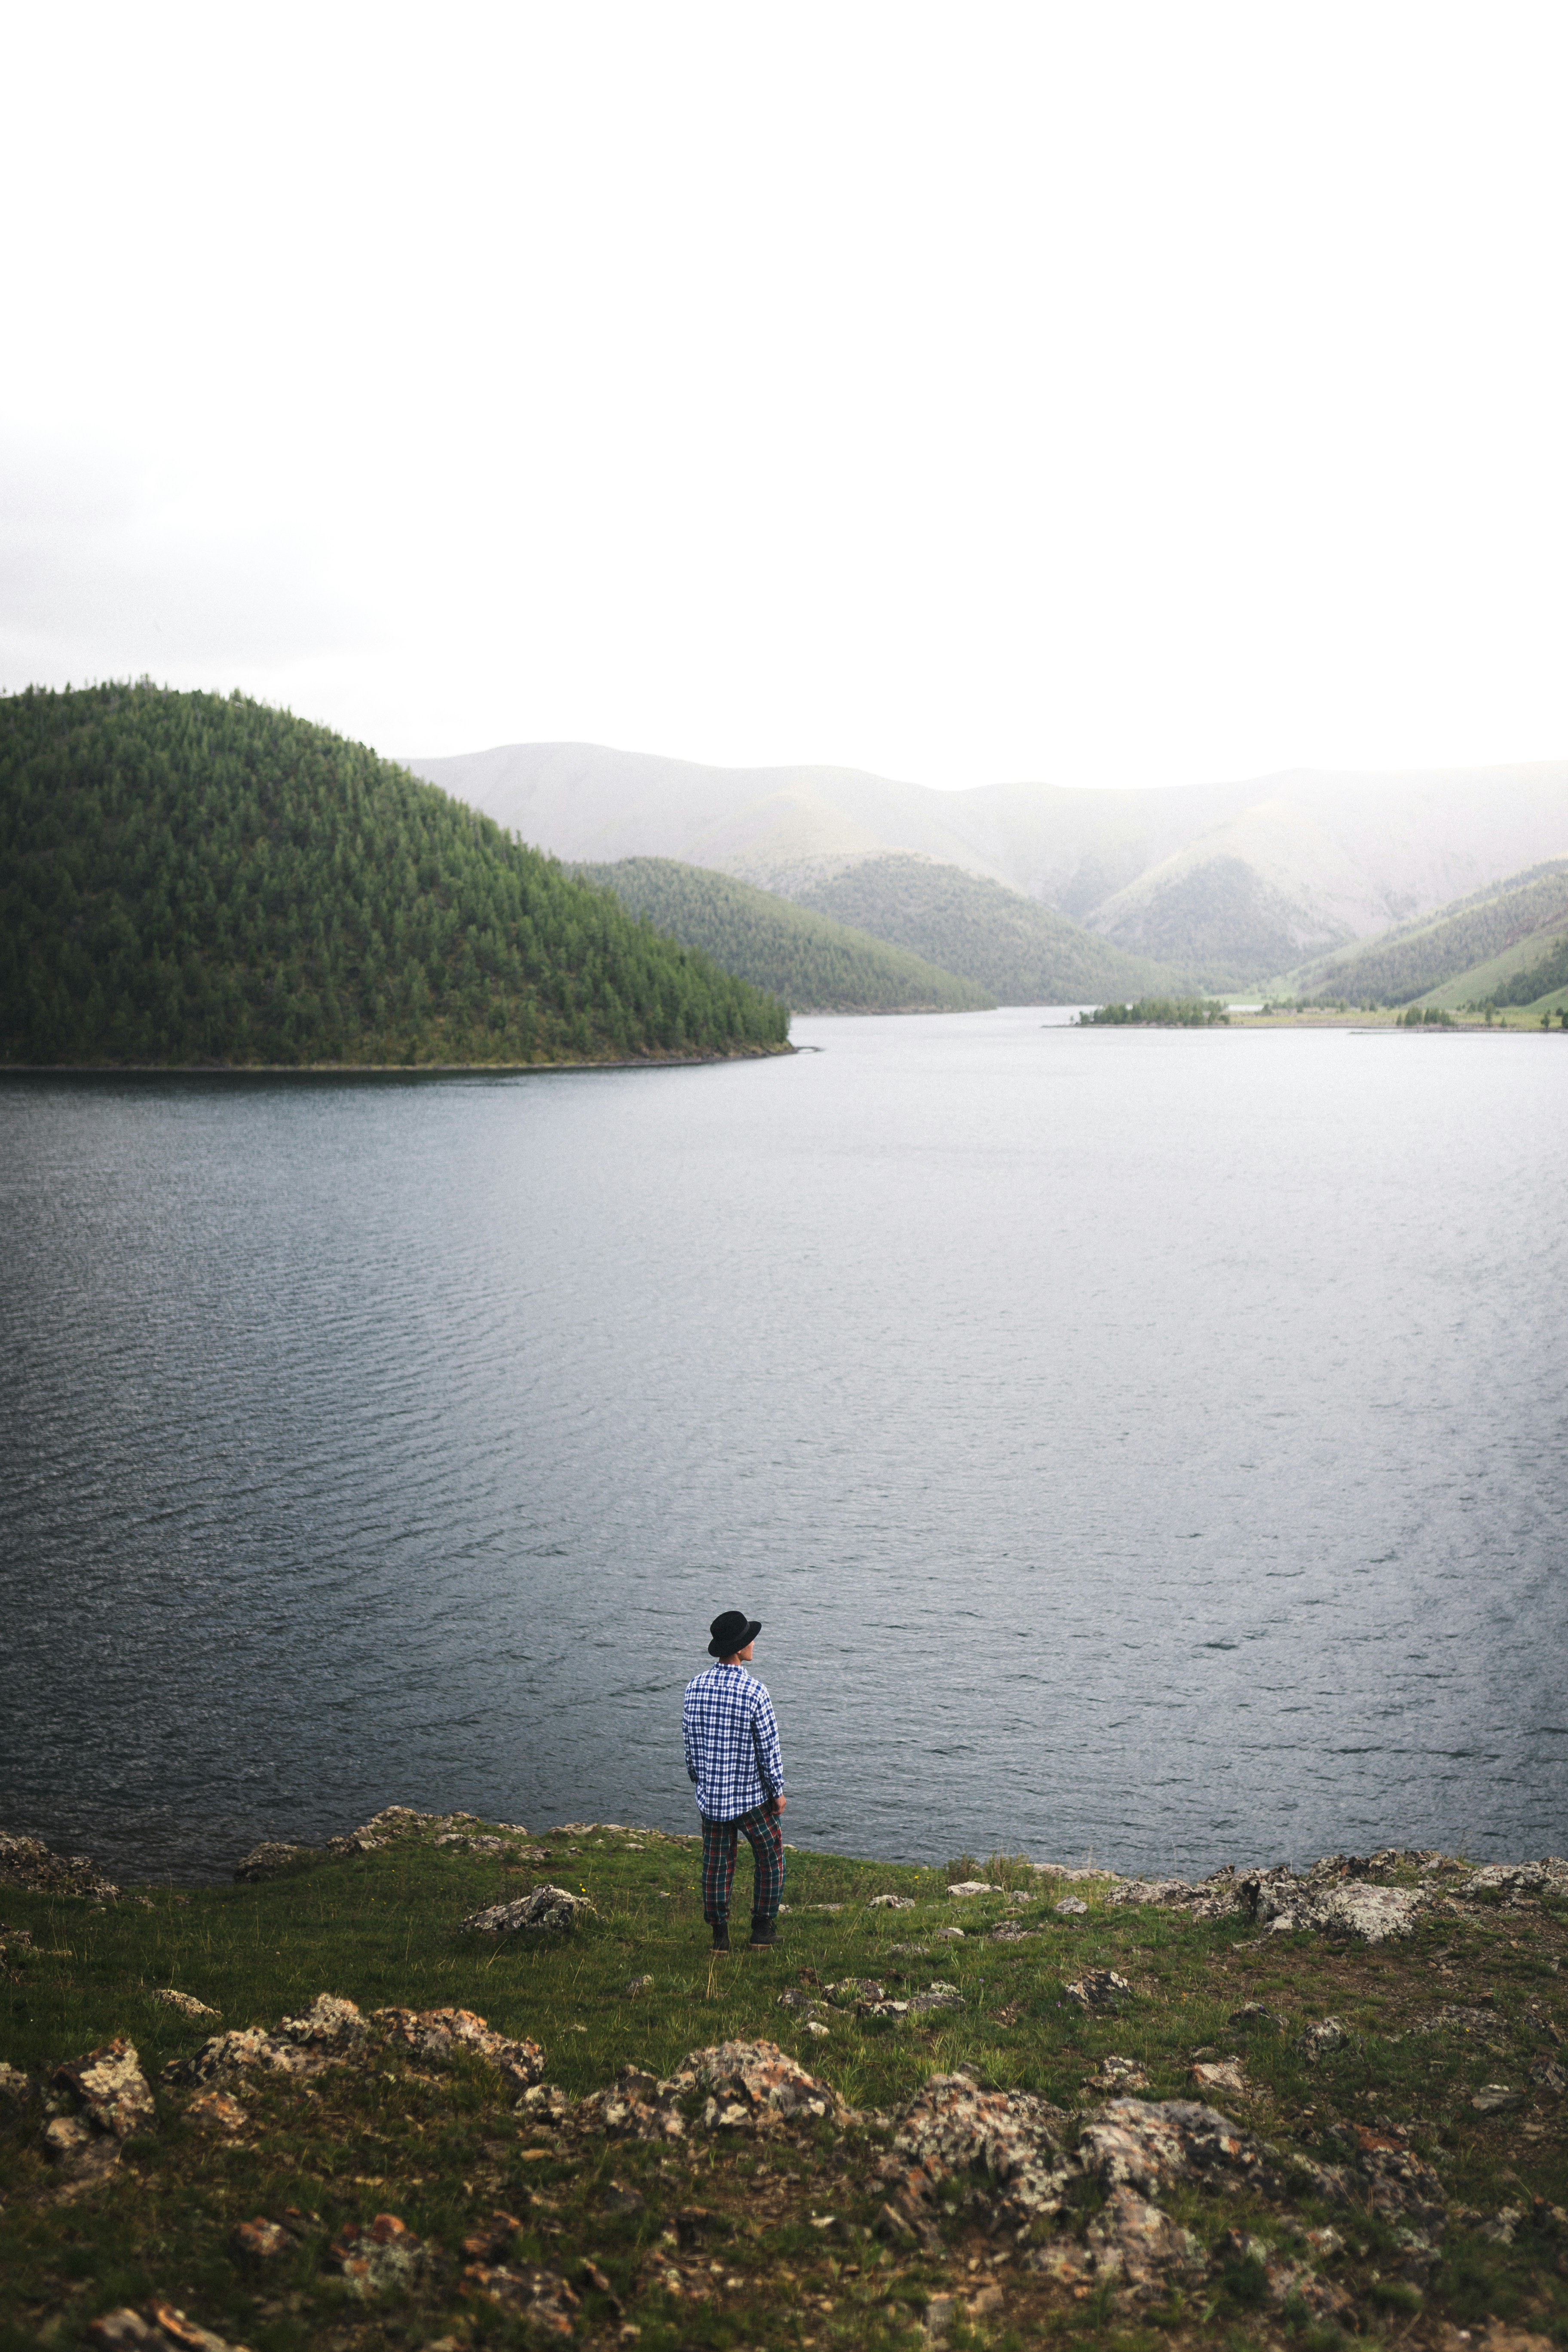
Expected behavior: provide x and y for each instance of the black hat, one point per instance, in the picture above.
(732, 1630)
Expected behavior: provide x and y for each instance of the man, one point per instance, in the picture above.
(733, 1754)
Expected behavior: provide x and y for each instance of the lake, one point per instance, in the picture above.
(1148, 1445)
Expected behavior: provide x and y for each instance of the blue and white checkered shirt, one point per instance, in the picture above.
(732, 1743)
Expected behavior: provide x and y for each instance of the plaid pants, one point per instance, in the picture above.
(720, 1843)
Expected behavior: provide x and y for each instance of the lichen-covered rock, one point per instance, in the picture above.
(1100, 1989)
(966, 1887)
(275, 1858)
(1219, 2074)
(542, 2298)
(441, 2034)
(329, 2033)
(891, 1903)
(113, 2092)
(329, 2023)
(1323, 2037)
(950, 2126)
(1121, 2075)
(378, 2257)
(1133, 2242)
(186, 2002)
(261, 2241)
(28, 1862)
(16, 2089)
(1151, 2145)
(160, 2328)
(1206, 1898)
(216, 2111)
(553, 1907)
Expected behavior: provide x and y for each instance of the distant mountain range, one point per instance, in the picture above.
(814, 964)
(1229, 884)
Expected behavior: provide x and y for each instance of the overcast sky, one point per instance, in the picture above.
(1097, 393)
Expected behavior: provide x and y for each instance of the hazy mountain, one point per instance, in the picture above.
(1024, 952)
(816, 965)
(1234, 882)
(1505, 942)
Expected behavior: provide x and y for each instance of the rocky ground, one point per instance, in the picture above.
(446, 2083)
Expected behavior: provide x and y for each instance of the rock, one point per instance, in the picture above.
(489, 2244)
(16, 2089)
(973, 1886)
(1071, 1906)
(637, 1987)
(28, 1862)
(1123, 2075)
(161, 2328)
(1326, 2034)
(1100, 1989)
(1512, 1879)
(540, 2297)
(274, 1859)
(544, 2100)
(947, 1935)
(950, 2125)
(1253, 2018)
(937, 1995)
(1151, 2145)
(891, 1903)
(329, 2033)
(186, 2002)
(216, 2111)
(1007, 1931)
(1221, 2075)
(442, 2033)
(801, 2003)
(621, 2200)
(1331, 1898)
(548, 1906)
(382, 2256)
(329, 2023)
(261, 2240)
(1478, 2024)
(855, 1992)
(918, 1951)
(1496, 2099)
(752, 2086)
(114, 2093)
(1131, 2239)
(1208, 1898)
(1404, 2187)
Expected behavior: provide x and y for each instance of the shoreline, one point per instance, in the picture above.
(445, 2075)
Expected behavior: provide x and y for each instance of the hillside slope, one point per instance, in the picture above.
(1510, 926)
(816, 965)
(1240, 880)
(186, 879)
(1022, 951)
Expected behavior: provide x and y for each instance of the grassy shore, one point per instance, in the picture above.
(779, 2238)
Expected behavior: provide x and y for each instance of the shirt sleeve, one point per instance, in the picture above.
(766, 1740)
(689, 1736)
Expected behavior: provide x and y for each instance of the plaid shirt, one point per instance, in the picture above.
(732, 1743)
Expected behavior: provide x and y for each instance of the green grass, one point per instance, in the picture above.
(444, 2151)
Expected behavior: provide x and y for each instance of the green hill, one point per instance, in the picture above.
(189, 880)
(1023, 952)
(816, 965)
(1500, 939)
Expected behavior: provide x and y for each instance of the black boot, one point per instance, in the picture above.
(721, 1935)
(765, 1932)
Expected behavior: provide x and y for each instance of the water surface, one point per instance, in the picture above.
(1143, 1445)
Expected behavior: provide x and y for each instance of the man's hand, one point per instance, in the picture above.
(777, 1804)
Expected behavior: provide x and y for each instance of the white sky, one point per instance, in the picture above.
(1100, 393)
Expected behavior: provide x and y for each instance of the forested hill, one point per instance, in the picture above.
(1508, 943)
(186, 879)
(816, 965)
(1024, 952)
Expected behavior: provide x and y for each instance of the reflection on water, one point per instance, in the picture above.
(1147, 1445)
